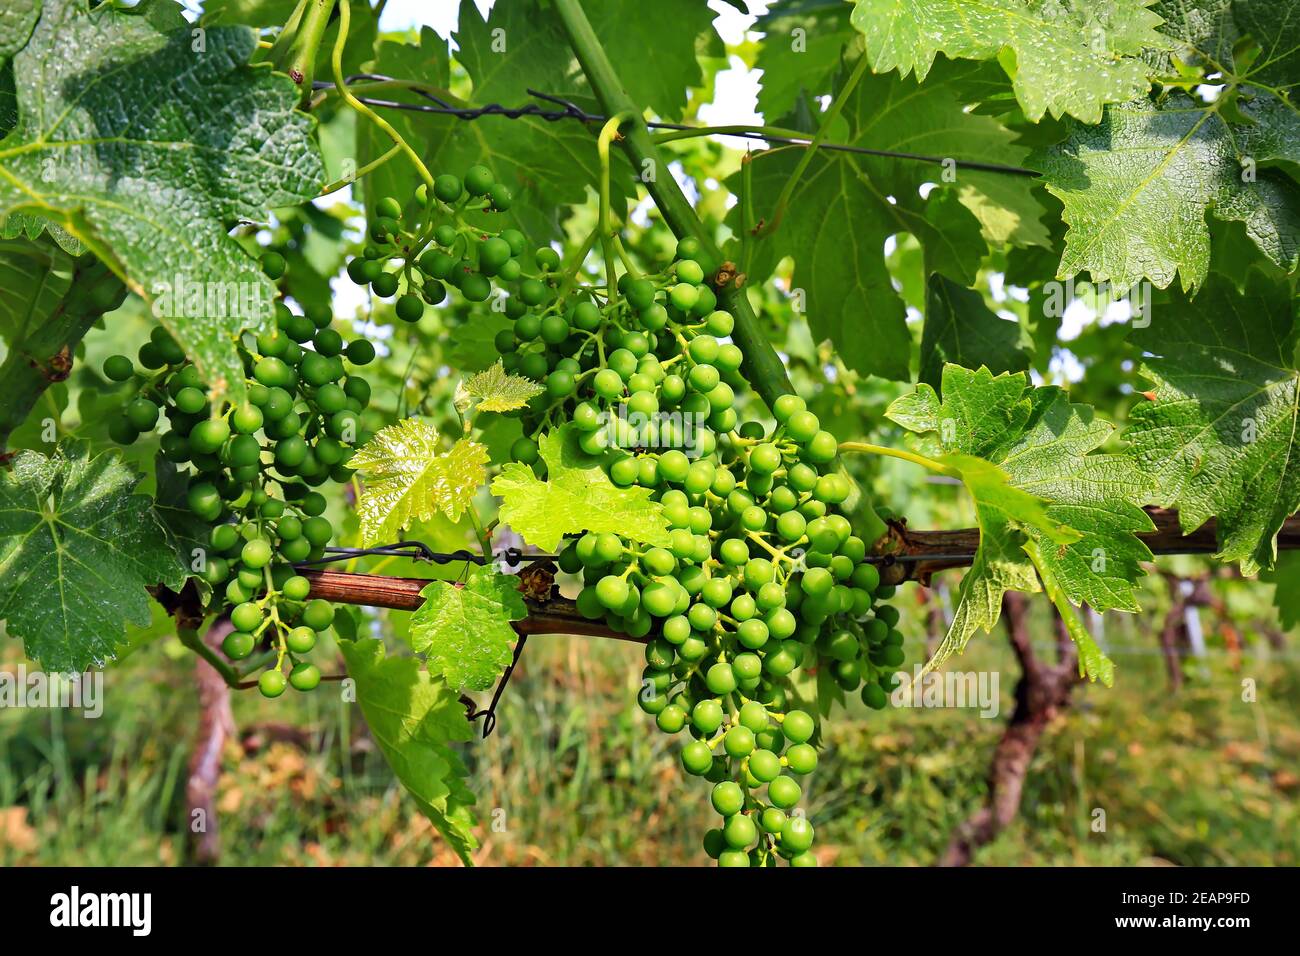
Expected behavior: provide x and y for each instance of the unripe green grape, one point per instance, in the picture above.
(671, 719)
(246, 617)
(720, 678)
(300, 640)
(272, 683)
(727, 798)
(118, 368)
(447, 188)
(238, 645)
(764, 765)
(772, 820)
(706, 716)
(318, 614)
(305, 677)
(733, 858)
(697, 758)
(409, 308)
(765, 458)
(801, 759)
(740, 831)
(784, 793)
(747, 667)
(478, 180)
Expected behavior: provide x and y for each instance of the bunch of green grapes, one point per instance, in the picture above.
(253, 472)
(416, 252)
(762, 576)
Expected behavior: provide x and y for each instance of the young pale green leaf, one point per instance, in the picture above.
(1063, 57)
(850, 297)
(1221, 437)
(1027, 457)
(577, 495)
(407, 477)
(77, 550)
(1093, 662)
(1137, 187)
(34, 278)
(962, 330)
(414, 716)
(496, 390)
(464, 629)
(147, 146)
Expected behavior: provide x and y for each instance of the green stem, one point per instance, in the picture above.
(299, 60)
(191, 639)
(867, 448)
(336, 62)
(364, 170)
(828, 120)
(762, 366)
(607, 133)
(279, 49)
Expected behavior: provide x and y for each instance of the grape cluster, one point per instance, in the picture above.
(254, 469)
(415, 253)
(762, 574)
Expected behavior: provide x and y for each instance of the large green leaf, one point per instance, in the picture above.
(1047, 505)
(34, 278)
(1136, 189)
(577, 495)
(17, 17)
(962, 330)
(1063, 56)
(407, 477)
(463, 627)
(414, 716)
(77, 550)
(147, 146)
(847, 205)
(800, 54)
(1221, 437)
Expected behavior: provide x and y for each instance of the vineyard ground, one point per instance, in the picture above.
(1197, 778)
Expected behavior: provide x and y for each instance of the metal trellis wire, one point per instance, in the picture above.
(568, 110)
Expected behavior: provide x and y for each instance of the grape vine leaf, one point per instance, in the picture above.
(846, 206)
(408, 478)
(1045, 501)
(1285, 574)
(17, 18)
(414, 716)
(34, 278)
(1136, 189)
(77, 550)
(464, 629)
(962, 330)
(496, 390)
(1067, 56)
(679, 29)
(519, 46)
(188, 534)
(1220, 437)
(800, 53)
(146, 146)
(430, 61)
(577, 495)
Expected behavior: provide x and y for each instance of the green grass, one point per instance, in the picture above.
(576, 775)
